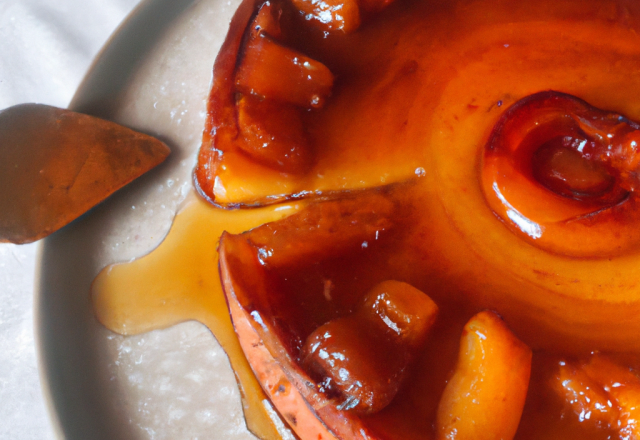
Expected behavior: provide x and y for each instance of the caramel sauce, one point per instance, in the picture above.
(179, 281)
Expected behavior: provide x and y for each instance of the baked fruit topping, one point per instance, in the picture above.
(356, 358)
(602, 394)
(486, 394)
(274, 134)
(277, 127)
(272, 71)
(564, 175)
(330, 15)
(275, 311)
(338, 16)
(362, 358)
(257, 103)
(350, 311)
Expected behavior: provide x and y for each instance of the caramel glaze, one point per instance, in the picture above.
(178, 282)
(423, 84)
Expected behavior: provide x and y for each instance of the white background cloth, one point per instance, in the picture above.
(45, 49)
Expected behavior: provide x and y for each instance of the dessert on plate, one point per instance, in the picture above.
(464, 261)
(472, 168)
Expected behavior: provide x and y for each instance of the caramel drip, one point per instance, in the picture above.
(178, 282)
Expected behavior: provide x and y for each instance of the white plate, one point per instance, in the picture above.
(153, 76)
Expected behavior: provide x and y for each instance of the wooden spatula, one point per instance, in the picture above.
(56, 164)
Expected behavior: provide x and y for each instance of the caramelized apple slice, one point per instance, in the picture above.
(623, 387)
(56, 164)
(586, 397)
(364, 357)
(330, 15)
(605, 391)
(485, 397)
(273, 134)
(271, 70)
(563, 175)
(269, 325)
(338, 16)
(402, 311)
(328, 229)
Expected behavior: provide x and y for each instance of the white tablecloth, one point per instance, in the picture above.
(45, 48)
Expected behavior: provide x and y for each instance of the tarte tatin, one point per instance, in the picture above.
(467, 261)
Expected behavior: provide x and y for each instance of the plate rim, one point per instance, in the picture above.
(94, 96)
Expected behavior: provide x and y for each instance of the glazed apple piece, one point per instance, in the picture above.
(328, 229)
(330, 15)
(271, 327)
(588, 400)
(485, 397)
(363, 358)
(255, 114)
(602, 393)
(273, 134)
(272, 71)
(275, 84)
(338, 16)
(564, 175)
